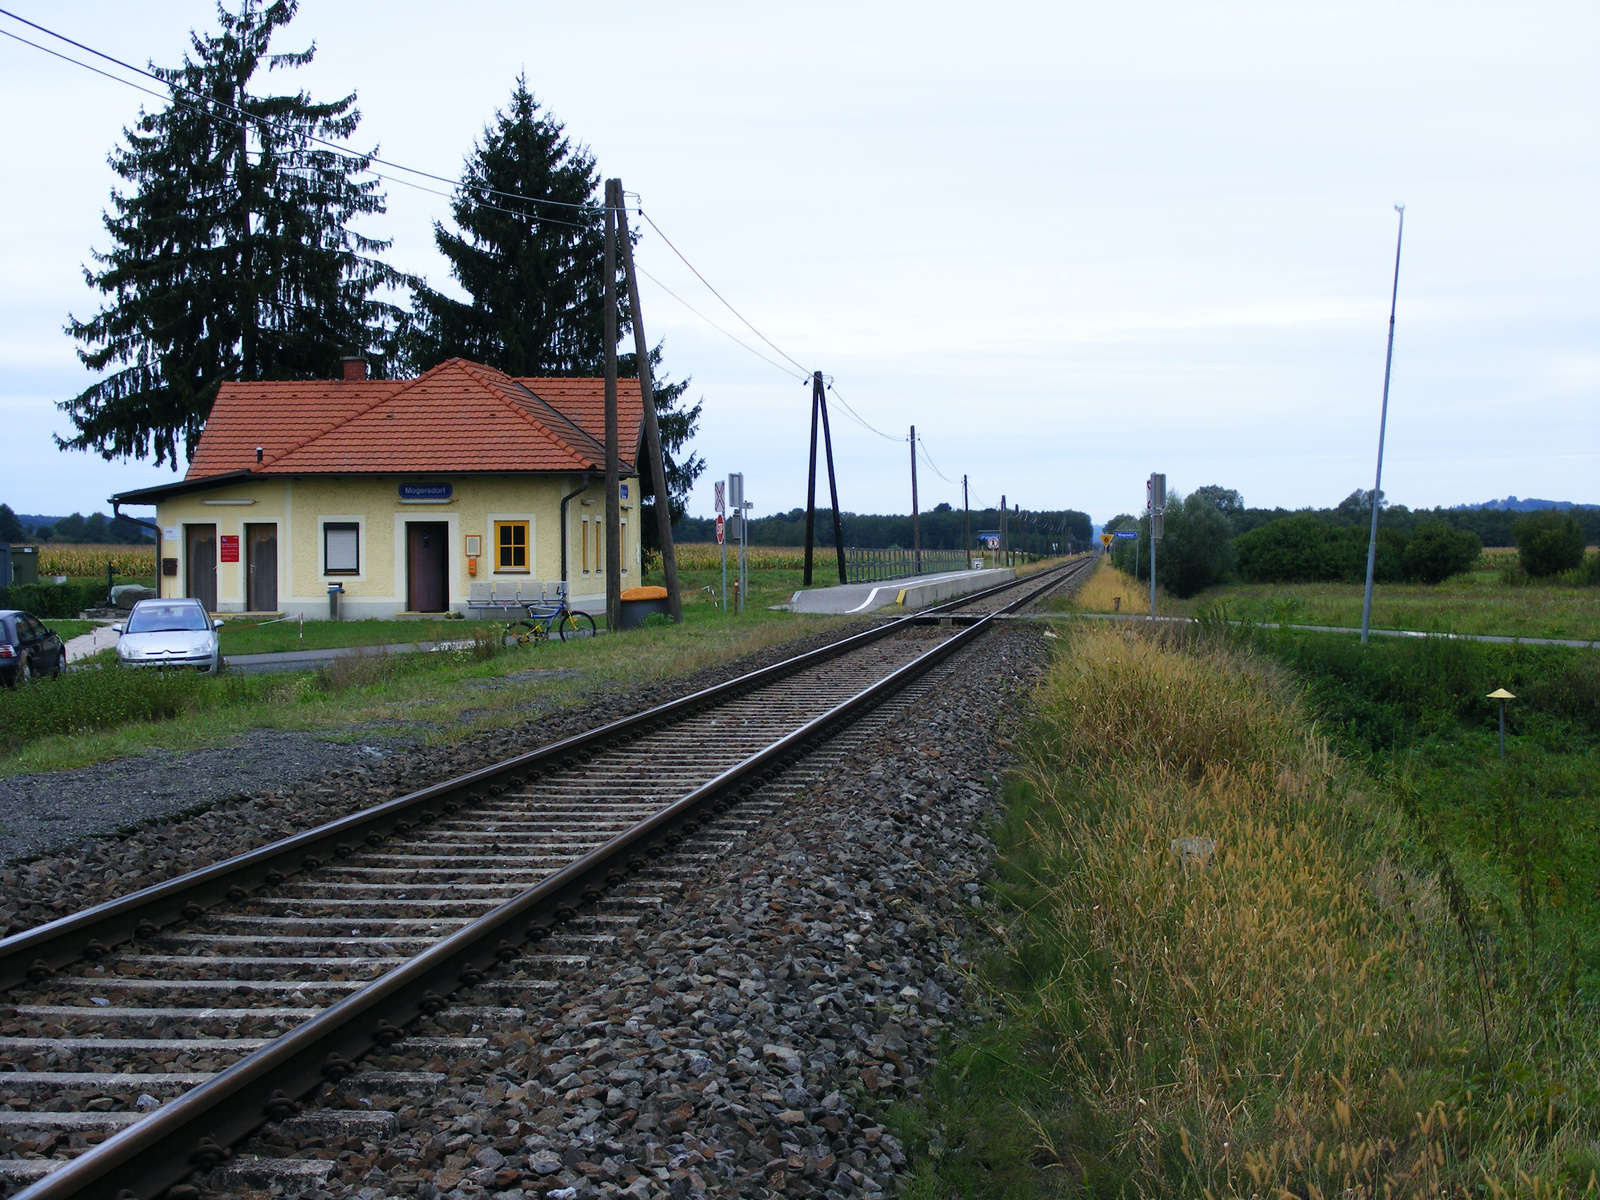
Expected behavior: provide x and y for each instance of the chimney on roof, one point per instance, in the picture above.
(258, 453)
(355, 368)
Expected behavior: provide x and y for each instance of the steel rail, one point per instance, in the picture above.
(35, 954)
(196, 1130)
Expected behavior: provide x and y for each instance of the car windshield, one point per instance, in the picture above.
(163, 618)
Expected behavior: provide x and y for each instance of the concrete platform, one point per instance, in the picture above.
(911, 593)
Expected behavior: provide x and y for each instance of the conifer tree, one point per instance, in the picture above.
(232, 253)
(530, 255)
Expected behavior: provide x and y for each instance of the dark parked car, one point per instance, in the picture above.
(27, 649)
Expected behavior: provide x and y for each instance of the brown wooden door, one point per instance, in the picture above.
(427, 566)
(200, 564)
(261, 568)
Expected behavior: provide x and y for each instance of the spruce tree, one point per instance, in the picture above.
(232, 254)
(529, 251)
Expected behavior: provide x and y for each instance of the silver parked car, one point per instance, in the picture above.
(170, 633)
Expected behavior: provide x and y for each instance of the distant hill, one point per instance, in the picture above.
(1512, 504)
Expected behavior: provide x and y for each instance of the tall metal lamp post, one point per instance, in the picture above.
(1502, 695)
(1383, 421)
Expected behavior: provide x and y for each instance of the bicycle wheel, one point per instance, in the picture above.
(576, 625)
(524, 632)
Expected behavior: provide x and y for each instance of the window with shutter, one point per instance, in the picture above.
(341, 548)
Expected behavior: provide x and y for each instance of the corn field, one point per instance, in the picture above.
(92, 560)
(707, 556)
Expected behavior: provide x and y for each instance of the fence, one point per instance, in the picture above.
(874, 566)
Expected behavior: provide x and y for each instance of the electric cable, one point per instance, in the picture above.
(921, 445)
(731, 337)
(238, 123)
(644, 216)
(858, 418)
(203, 100)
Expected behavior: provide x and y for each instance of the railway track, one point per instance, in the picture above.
(147, 1036)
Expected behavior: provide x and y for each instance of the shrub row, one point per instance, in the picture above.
(1303, 549)
(50, 601)
(94, 699)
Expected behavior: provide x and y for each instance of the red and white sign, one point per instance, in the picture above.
(230, 548)
(719, 504)
(719, 529)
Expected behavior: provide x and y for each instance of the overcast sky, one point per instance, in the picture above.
(1073, 243)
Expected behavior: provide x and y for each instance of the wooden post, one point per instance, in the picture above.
(1004, 543)
(652, 430)
(966, 525)
(613, 462)
(916, 527)
(811, 473)
(833, 486)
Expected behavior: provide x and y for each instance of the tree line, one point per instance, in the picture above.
(96, 529)
(1210, 537)
(236, 252)
(940, 528)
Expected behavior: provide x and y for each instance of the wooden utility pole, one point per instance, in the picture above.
(613, 459)
(833, 485)
(966, 524)
(1005, 545)
(652, 430)
(916, 527)
(819, 413)
(811, 473)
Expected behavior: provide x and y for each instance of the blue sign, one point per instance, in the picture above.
(1126, 533)
(414, 492)
(624, 491)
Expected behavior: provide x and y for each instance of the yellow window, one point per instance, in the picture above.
(511, 545)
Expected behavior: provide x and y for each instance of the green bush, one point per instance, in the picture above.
(1195, 551)
(1306, 549)
(94, 699)
(48, 601)
(1549, 542)
(1436, 551)
(1588, 574)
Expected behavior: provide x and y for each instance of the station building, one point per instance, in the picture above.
(413, 495)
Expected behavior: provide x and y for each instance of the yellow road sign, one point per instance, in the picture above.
(1105, 539)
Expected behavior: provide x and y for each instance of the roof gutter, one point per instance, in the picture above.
(582, 487)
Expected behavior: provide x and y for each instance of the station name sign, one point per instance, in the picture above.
(425, 493)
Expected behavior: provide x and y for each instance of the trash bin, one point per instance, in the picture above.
(641, 603)
(335, 590)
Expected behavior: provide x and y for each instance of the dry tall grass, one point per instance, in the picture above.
(1111, 590)
(1294, 1016)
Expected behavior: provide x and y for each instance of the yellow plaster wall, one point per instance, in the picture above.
(299, 506)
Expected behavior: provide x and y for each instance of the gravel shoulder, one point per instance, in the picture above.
(748, 1039)
(70, 839)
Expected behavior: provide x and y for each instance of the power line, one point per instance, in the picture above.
(202, 100)
(858, 418)
(242, 124)
(731, 337)
(646, 216)
(921, 445)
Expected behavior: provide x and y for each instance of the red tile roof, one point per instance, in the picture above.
(460, 416)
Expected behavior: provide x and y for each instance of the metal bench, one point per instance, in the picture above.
(501, 597)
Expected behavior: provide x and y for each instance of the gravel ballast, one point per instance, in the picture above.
(747, 1038)
(70, 839)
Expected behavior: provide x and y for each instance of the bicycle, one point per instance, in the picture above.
(541, 623)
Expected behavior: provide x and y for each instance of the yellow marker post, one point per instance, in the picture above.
(1502, 695)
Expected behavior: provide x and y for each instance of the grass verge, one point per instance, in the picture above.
(433, 697)
(1306, 999)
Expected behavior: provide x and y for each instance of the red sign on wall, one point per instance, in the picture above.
(230, 548)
